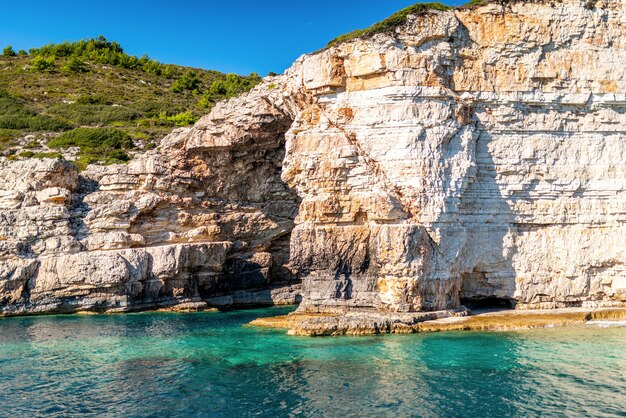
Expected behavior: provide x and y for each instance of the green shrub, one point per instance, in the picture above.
(41, 63)
(138, 135)
(33, 123)
(26, 154)
(472, 3)
(233, 85)
(169, 71)
(230, 86)
(92, 138)
(11, 107)
(115, 156)
(181, 119)
(8, 51)
(74, 66)
(155, 121)
(97, 145)
(88, 114)
(127, 61)
(14, 115)
(188, 81)
(98, 50)
(152, 67)
(142, 92)
(83, 160)
(504, 3)
(94, 156)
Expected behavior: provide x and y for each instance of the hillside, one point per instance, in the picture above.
(94, 84)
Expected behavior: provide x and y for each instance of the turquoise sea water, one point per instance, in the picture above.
(208, 364)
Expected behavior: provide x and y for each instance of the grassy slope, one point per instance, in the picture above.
(136, 102)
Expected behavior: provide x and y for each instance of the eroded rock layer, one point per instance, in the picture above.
(474, 154)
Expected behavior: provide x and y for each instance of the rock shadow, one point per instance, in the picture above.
(487, 274)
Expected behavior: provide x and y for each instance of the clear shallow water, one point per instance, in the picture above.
(208, 364)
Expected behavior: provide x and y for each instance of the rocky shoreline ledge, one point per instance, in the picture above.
(366, 323)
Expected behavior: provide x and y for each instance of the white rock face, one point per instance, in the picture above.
(471, 154)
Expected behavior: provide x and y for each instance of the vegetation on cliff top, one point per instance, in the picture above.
(475, 3)
(93, 83)
(391, 23)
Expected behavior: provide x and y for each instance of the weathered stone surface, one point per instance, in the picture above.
(471, 154)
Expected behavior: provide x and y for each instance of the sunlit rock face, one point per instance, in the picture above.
(479, 153)
(474, 153)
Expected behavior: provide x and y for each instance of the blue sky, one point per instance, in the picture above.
(239, 36)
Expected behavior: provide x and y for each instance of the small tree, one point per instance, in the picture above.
(169, 71)
(8, 51)
(74, 65)
(152, 67)
(232, 85)
(189, 81)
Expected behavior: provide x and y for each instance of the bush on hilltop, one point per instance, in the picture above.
(8, 51)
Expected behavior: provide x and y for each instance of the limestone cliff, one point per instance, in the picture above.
(473, 153)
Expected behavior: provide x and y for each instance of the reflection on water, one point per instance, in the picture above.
(208, 364)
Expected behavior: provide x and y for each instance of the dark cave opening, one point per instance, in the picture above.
(490, 302)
